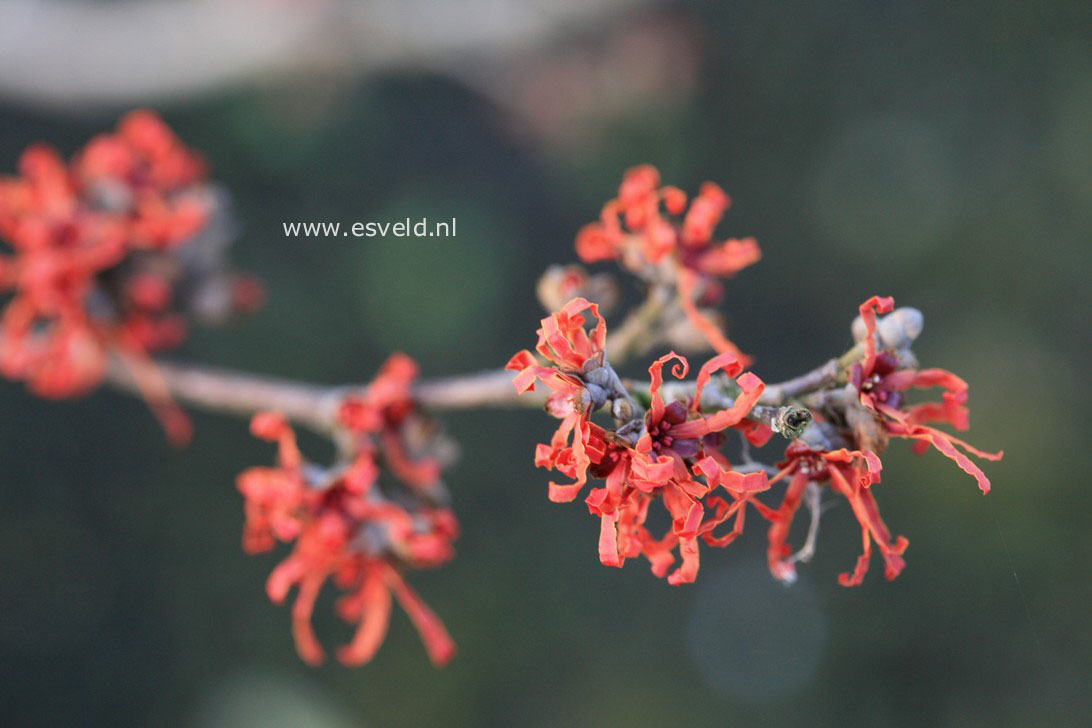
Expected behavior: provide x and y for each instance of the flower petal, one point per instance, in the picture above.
(437, 641)
(868, 310)
(375, 600)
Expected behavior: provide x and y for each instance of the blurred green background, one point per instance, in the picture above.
(938, 152)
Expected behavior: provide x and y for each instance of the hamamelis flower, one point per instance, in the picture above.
(346, 530)
(850, 474)
(649, 227)
(386, 414)
(676, 448)
(881, 384)
(99, 250)
(667, 454)
(579, 359)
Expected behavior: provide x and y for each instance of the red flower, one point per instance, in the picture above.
(633, 230)
(91, 265)
(881, 384)
(677, 445)
(850, 474)
(563, 341)
(145, 170)
(386, 410)
(634, 481)
(344, 529)
(59, 248)
(661, 456)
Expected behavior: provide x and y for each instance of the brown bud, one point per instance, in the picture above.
(560, 284)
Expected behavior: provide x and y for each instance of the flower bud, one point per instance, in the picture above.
(897, 330)
(560, 284)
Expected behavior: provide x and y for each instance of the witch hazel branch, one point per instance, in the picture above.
(111, 256)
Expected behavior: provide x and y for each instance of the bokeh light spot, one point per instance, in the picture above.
(752, 638)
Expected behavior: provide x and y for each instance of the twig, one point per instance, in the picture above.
(240, 393)
(776, 394)
(626, 339)
(315, 405)
(897, 331)
(483, 389)
(811, 500)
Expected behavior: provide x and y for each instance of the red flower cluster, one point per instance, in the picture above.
(347, 527)
(661, 455)
(881, 384)
(564, 342)
(92, 267)
(634, 230)
(671, 451)
(386, 411)
(879, 413)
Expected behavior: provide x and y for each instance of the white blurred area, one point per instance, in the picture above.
(550, 63)
(270, 699)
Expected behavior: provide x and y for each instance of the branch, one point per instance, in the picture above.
(313, 405)
(483, 389)
(821, 376)
(316, 406)
(897, 331)
(240, 393)
(633, 333)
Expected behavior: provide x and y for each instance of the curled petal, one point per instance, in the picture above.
(573, 460)
(273, 426)
(706, 211)
(872, 528)
(924, 379)
(780, 524)
(638, 183)
(418, 473)
(945, 444)
(608, 541)
(856, 578)
(873, 467)
(750, 390)
(563, 492)
(655, 372)
(729, 257)
(732, 481)
(530, 370)
(868, 310)
(437, 641)
(744, 482)
(727, 362)
(594, 243)
(952, 409)
(688, 570)
(872, 463)
(153, 387)
(375, 613)
(563, 340)
(648, 472)
(307, 644)
(686, 282)
(674, 199)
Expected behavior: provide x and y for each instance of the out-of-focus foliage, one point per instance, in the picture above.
(937, 152)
